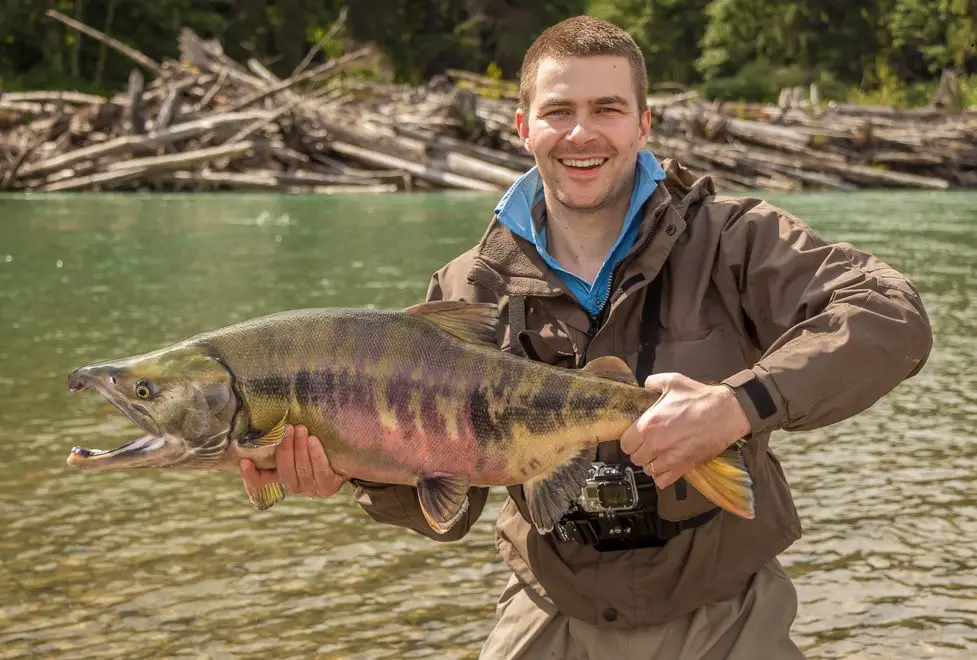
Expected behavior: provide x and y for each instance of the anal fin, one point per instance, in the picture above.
(549, 496)
(443, 499)
(264, 497)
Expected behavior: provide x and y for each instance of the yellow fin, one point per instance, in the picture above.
(726, 482)
(475, 323)
(271, 438)
(443, 499)
(611, 368)
(263, 497)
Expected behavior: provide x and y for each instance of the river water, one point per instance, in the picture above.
(152, 564)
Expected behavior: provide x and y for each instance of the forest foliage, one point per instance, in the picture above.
(884, 51)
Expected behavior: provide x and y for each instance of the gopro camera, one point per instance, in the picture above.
(609, 488)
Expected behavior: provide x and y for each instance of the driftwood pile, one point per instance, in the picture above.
(207, 122)
(837, 147)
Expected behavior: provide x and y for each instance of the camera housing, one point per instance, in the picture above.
(609, 489)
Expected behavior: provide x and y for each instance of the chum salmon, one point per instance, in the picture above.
(421, 396)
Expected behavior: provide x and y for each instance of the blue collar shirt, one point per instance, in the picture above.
(515, 211)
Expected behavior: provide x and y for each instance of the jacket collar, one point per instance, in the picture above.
(508, 264)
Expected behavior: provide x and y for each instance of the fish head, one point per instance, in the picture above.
(181, 397)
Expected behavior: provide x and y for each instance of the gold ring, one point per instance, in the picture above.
(651, 465)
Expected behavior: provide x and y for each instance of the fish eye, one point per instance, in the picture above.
(142, 389)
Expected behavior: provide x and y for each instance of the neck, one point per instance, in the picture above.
(581, 239)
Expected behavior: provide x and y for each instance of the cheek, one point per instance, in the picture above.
(542, 139)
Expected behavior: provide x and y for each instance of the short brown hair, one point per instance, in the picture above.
(583, 36)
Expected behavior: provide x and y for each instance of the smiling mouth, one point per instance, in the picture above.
(583, 163)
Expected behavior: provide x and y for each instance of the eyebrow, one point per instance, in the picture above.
(612, 100)
(603, 100)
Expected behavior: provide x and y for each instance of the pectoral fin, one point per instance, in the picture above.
(256, 438)
(263, 497)
(549, 496)
(443, 499)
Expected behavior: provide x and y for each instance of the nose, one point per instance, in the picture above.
(79, 379)
(582, 131)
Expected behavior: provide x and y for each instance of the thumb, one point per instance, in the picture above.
(661, 383)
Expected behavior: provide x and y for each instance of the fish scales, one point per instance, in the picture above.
(407, 398)
(421, 396)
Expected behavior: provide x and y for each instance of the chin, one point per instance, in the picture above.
(583, 202)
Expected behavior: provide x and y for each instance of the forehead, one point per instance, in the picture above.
(583, 79)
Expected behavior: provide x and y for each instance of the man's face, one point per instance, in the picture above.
(584, 129)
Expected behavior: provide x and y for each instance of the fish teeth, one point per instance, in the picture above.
(590, 162)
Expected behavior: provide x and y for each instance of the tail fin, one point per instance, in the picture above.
(726, 482)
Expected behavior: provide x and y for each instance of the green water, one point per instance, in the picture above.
(150, 564)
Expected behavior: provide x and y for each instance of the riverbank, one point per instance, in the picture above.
(207, 122)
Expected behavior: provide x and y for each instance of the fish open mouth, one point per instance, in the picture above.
(148, 451)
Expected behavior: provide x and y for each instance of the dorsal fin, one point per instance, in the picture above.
(611, 368)
(475, 323)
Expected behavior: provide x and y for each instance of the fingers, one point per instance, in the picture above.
(249, 474)
(666, 479)
(254, 477)
(631, 439)
(302, 466)
(327, 482)
(303, 462)
(638, 441)
(285, 459)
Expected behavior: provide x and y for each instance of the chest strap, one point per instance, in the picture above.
(650, 317)
(517, 323)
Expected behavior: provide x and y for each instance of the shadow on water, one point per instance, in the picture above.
(151, 563)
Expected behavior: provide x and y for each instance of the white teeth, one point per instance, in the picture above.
(590, 162)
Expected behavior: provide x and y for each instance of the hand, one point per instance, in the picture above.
(301, 465)
(690, 424)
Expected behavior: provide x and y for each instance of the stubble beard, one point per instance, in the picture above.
(612, 196)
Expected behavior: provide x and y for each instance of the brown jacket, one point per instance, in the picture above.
(751, 296)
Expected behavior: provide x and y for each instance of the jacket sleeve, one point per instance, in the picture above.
(395, 504)
(838, 328)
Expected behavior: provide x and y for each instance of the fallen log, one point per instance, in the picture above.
(421, 171)
(271, 181)
(185, 159)
(133, 54)
(53, 96)
(514, 162)
(131, 143)
(474, 168)
(779, 137)
(329, 68)
(97, 180)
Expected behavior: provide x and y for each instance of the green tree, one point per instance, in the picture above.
(668, 31)
(929, 35)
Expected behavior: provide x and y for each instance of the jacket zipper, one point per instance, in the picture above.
(597, 323)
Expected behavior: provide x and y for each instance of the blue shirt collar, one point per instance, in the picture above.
(515, 211)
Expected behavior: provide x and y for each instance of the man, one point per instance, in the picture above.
(736, 311)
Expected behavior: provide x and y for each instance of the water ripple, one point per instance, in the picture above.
(153, 564)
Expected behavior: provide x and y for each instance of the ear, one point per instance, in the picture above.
(522, 128)
(644, 126)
